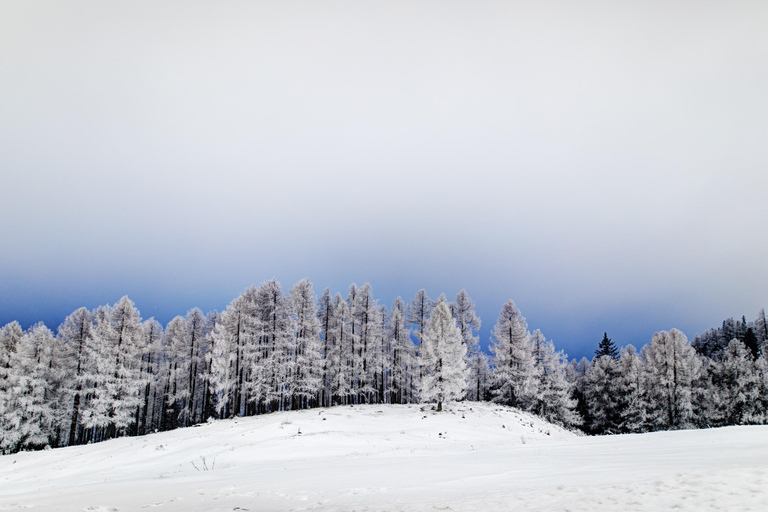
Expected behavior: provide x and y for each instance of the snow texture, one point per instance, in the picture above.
(473, 456)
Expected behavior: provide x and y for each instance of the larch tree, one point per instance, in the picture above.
(307, 350)
(442, 358)
(325, 316)
(75, 335)
(511, 362)
(463, 311)
(29, 417)
(601, 385)
(630, 392)
(554, 391)
(403, 355)
(671, 367)
(228, 339)
(740, 386)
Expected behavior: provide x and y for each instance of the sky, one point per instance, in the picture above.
(603, 164)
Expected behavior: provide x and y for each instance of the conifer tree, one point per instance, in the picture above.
(601, 385)
(670, 370)
(740, 385)
(607, 348)
(463, 310)
(442, 358)
(75, 335)
(512, 365)
(306, 345)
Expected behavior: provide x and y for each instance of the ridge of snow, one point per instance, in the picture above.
(472, 456)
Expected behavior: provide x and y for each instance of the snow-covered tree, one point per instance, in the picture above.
(740, 386)
(28, 420)
(75, 335)
(463, 310)
(275, 366)
(418, 312)
(442, 358)
(601, 394)
(554, 401)
(511, 363)
(306, 345)
(228, 340)
(631, 395)
(404, 364)
(670, 370)
(342, 353)
(325, 316)
(368, 352)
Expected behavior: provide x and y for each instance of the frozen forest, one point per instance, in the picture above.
(108, 373)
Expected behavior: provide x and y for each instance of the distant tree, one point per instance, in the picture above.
(442, 358)
(607, 348)
(750, 341)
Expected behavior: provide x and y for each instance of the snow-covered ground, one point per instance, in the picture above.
(473, 457)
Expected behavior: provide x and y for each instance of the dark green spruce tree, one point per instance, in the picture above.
(607, 348)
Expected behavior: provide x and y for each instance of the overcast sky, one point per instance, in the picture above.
(603, 164)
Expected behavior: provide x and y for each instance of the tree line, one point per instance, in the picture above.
(719, 379)
(108, 373)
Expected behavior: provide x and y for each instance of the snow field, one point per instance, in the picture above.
(473, 456)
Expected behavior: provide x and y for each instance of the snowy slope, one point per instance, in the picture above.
(471, 457)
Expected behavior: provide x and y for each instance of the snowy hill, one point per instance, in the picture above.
(473, 456)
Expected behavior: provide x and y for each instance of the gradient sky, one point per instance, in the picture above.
(603, 164)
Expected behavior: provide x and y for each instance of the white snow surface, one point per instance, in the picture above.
(471, 457)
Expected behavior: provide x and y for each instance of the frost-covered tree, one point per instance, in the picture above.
(670, 370)
(740, 386)
(630, 391)
(308, 372)
(418, 312)
(601, 394)
(325, 316)
(554, 401)
(342, 353)
(276, 346)
(114, 376)
(575, 374)
(29, 420)
(368, 352)
(227, 366)
(151, 375)
(404, 364)
(511, 363)
(463, 311)
(75, 335)
(442, 358)
(10, 337)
